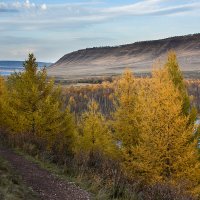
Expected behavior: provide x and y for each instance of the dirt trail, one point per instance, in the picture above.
(46, 185)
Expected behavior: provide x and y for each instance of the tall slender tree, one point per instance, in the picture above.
(124, 123)
(35, 110)
(2, 94)
(95, 136)
(176, 76)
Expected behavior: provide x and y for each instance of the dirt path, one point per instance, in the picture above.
(41, 181)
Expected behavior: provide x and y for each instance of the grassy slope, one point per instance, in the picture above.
(11, 185)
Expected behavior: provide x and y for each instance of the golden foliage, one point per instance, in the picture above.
(150, 131)
(2, 94)
(124, 117)
(167, 149)
(34, 109)
(95, 136)
(176, 76)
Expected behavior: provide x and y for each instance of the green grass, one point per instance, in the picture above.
(11, 185)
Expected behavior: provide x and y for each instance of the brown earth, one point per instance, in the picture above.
(42, 182)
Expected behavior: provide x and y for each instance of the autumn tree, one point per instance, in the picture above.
(2, 94)
(35, 111)
(176, 76)
(95, 136)
(124, 119)
(167, 149)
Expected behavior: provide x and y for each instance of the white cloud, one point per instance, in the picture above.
(19, 6)
(89, 11)
(16, 4)
(79, 15)
(139, 6)
(28, 4)
(151, 7)
(43, 6)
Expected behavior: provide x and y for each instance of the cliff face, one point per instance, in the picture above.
(138, 56)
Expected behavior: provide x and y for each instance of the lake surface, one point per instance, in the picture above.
(9, 67)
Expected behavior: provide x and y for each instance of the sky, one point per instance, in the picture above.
(50, 29)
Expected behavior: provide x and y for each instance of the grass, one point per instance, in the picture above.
(11, 185)
(65, 174)
(91, 184)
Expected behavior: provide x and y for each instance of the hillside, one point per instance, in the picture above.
(138, 56)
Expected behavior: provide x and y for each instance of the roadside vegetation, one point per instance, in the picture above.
(143, 147)
(11, 185)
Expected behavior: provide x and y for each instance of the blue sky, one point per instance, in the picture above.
(51, 29)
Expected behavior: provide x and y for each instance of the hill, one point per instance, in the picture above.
(139, 56)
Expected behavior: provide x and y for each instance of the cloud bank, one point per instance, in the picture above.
(18, 6)
(54, 26)
(81, 14)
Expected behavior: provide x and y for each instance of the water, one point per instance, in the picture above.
(9, 67)
(197, 122)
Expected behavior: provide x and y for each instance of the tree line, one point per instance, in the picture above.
(147, 139)
(78, 96)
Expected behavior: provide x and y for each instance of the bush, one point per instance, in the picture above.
(164, 192)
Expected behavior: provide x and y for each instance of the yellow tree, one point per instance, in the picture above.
(35, 111)
(95, 136)
(167, 149)
(124, 119)
(176, 76)
(2, 94)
